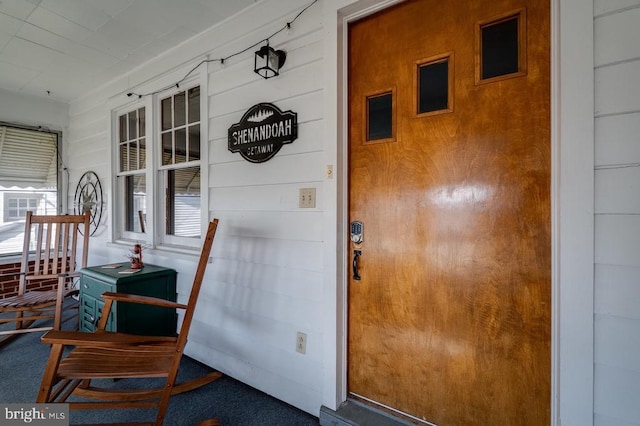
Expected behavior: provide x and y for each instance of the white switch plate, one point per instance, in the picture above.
(307, 198)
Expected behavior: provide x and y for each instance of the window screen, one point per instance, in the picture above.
(28, 181)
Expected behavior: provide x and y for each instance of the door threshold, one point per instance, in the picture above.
(356, 413)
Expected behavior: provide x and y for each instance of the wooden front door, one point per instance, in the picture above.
(449, 174)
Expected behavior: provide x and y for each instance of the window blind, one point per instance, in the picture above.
(28, 158)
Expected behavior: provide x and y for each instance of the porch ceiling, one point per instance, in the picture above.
(60, 49)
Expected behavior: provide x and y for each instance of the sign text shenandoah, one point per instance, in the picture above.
(262, 131)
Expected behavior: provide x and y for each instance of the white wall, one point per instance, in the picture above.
(267, 283)
(617, 220)
(266, 280)
(33, 111)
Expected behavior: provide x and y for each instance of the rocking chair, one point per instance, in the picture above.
(53, 240)
(112, 355)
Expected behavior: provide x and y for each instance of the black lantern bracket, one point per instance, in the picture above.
(268, 61)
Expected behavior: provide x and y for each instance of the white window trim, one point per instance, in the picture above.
(159, 169)
(154, 238)
(118, 190)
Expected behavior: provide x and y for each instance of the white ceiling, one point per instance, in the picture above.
(60, 49)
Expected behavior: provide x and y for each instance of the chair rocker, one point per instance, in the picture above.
(53, 240)
(111, 355)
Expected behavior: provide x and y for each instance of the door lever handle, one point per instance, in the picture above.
(356, 256)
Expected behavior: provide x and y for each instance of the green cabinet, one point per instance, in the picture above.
(130, 318)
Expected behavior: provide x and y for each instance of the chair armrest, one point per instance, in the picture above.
(69, 274)
(103, 339)
(145, 300)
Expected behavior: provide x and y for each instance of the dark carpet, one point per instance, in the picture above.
(22, 363)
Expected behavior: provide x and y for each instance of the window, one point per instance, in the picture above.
(29, 175)
(501, 47)
(19, 204)
(132, 156)
(380, 116)
(159, 170)
(434, 85)
(180, 135)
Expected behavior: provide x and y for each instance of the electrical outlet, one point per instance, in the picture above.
(307, 198)
(301, 342)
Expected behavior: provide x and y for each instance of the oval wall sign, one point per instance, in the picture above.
(262, 131)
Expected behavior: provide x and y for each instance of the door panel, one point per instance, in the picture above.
(450, 321)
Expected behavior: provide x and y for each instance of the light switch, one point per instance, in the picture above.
(307, 198)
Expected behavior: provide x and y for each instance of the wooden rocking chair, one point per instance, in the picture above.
(112, 355)
(53, 240)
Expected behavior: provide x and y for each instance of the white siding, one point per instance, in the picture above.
(602, 7)
(266, 280)
(269, 276)
(617, 221)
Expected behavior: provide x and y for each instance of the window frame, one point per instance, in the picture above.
(521, 16)
(21, 212)
(163, 170)
(445, 57)
(394, 113)
(155, 236)
(119, 184)
(20, 190)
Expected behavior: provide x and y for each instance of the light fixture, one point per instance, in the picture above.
(269, 61)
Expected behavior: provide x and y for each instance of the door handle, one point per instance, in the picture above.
(356, 272)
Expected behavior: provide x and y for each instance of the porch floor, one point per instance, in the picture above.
(22, 364)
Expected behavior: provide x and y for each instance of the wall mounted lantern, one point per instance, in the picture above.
(269, 61)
